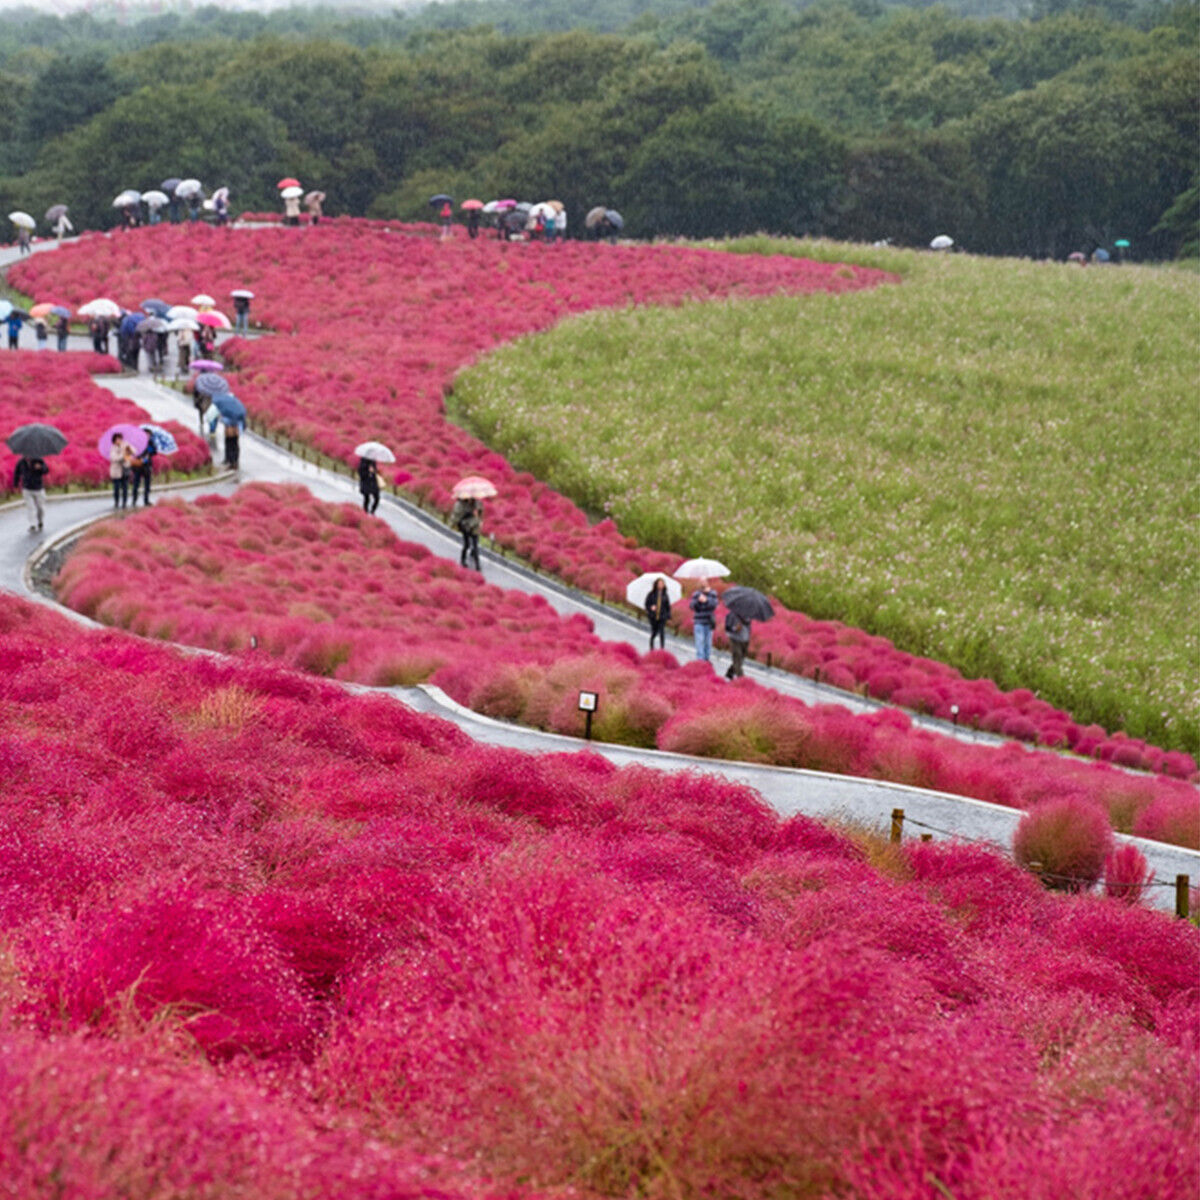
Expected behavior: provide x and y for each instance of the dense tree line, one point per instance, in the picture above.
(1031, 136)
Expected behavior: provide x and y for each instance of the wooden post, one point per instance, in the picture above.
(768, 660)
(897, 823)
(587, 727)
(1182, 887)
(927, 837)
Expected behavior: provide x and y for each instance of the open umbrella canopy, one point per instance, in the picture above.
(314, 197)
(214, 319)
(185, 311)
(471, 205)
(156, 199)
(474, 487)
(134, 435)
(6, 307)
(441, 198)
(210, 383)
(288, 182)
(242, 294)
(292, 193)
(207, 364)
(157, 308)
(22, 220)
(54, 212)
(170, 184)
(60, 310)
(376, 451)
(943, 241)
(748, 603)
(1122, 243)
(222, 193)
(504, 205)
(100, 307)
(126, 198)
(595, 216)
(130, 321)
(229, 406)
(1077, 256)
(180, 324)
(36, 440)
(41, 310)
(638, 589)
(614, 218)
(701, 568)
(203, 300)
(189, 187)
(164, 441)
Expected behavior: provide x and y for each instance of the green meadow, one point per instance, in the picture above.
(992, 462)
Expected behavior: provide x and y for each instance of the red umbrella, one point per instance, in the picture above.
(288, 182)
(469, 205)
(474, 487)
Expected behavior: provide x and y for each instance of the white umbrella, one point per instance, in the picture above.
(188, 187)
(242, 294)
(292, 193)
(544, 209)
(203, 300)
(638, 589)
(700, 568)
(186, 311)
(179, 324)
(101, 307)
(126, 198)
(22, 219)
(376, 451)
(941, 242)
(156, 199)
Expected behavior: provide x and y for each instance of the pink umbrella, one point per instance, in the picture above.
(207, 364)
(474, 487)
(133, 435)
(503, 205)
(217, 320)
(469, 205)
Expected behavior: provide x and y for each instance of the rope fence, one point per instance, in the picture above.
(1181, 884)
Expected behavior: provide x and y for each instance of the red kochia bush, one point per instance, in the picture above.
(380, 943)
(1065, 840)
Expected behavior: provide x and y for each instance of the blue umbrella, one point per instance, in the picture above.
(60, 310)
(157, 308)
(229, 406)
(164, 443)
(211, 384)
(130, 321)
(169, 185)
(614, 218)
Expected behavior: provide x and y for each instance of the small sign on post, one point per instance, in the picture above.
(587, 706)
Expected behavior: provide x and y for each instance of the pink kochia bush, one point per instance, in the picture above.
(399, 313)
(326, 589)
(57, 389)
(266, 937)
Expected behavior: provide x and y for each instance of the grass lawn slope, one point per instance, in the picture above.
(994, 464)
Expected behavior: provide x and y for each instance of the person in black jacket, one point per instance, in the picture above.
(737, 630)
(658, 609)
(368, 483)
(28, 476)
(141, 469)
(467, 518)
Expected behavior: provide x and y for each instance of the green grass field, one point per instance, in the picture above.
(993, 463)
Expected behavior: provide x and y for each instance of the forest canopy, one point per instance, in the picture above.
(1039, 134)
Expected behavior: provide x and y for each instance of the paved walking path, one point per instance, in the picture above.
(787, 790)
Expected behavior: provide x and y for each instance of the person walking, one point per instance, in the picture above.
(42, 333)
(150, 346)
(703, 604)
(62, 227)
(368, 483)
(467, 518)
(98, 327)
(118, 472)
(560, 224)
(61, 331)
(233, 444)
(183, 350)
(29, 474)
(14, 321)
(291, 209)
(24, 241)
(313, 202)
(141, 468)
(241, 312)
(445, 218)
(473, 223)
(737, 630)
(658, 609)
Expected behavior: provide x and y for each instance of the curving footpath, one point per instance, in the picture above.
(788, 791)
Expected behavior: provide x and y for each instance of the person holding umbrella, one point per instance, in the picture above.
(30, 472)
(141, 468)
(658, 610)
(467, 518)
(118, 471)
(742, 605)
(241, 309)
(313, 201)
(703, 603)
(368, 483)
(42, 332)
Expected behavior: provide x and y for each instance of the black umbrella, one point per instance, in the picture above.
(748, 603)
(36, 441)
(441, 198)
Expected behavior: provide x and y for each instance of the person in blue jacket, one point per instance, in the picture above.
(14, 323)
(703, 604)
(141, 469)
